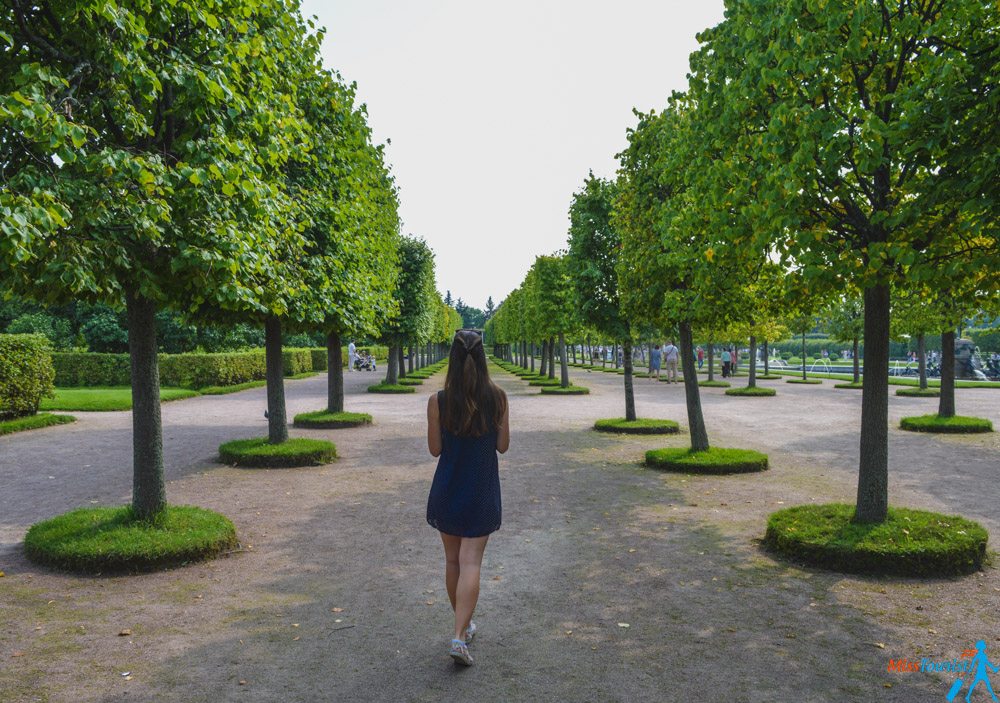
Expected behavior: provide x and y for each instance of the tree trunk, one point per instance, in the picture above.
(767, 359)
(614, 353)
(392, 366)
(402, 360)
(334, 374)
(873, 469)
(574, 353)
(543, 370)
(696, 420)
(563, 362)
(857, 362)
(946, 404)
(149, 493)
(803, 356)
(629, 391)
(277, 422)
(711, 361)
(410, 362)
(752, 383)
(552, 357)
(922, 360)
(531, 354)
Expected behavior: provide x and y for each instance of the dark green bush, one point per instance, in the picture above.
(200, 370)
(105, 334)
(56, 329)
(26, 373)
(296, 361)
(318, 358)
(75, 369)
(908, 543)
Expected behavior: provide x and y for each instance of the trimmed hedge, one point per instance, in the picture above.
(710, 461)
(714, 384)
(390, 388)
(908, 543)
(751, 391)
(113, 540)
(319, 358)
(958, 424)
(261, 454)
(852, 385)
(33, 422)
(296, 361)
(637, 426)
(919, 392)
(325, 420)
(26, 374)
(804, 381)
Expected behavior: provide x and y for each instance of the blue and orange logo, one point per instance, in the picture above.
(973, 665)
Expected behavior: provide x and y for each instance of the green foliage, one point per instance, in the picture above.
(957, 424)
(33, 422)
(714, 384)
(105, 399)
(804, 381)
(55, 329)
(709, 461)
(111, 540)
(322, 419)
(849, 386)
(751, 391)
(639, 426)
(296, 361)
(416, 296)
(919, 392)
(105, 334)
(26, 374)
(988, 340)
(908, 543)
(319, 358)
(259, 453)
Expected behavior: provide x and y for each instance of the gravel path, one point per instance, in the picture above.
(607, 582)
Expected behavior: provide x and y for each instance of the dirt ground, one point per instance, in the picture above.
(607, 582)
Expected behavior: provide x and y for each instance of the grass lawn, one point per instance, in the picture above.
(104, 398)
(893, 380)
(33, 422)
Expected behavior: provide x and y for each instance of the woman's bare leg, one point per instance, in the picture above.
(452, 544)
(470, 559)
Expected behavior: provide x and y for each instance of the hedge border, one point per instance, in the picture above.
(34, 422)
(918, 392)
(850, 386)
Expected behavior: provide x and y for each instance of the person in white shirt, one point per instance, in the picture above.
(352, 355)
(670, 353)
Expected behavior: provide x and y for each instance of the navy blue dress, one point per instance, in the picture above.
(465, 495)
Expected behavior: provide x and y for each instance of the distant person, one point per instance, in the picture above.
(701, 357)
(654, 363)
(467, 424)
(670, 353)
(352, 355)
(727, 361)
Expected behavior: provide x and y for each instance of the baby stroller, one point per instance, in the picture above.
(365, 362)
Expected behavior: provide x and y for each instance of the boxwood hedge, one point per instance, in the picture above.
(26, 374)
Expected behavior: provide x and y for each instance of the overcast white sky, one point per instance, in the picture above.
(497, 110)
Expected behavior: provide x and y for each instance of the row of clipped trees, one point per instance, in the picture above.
(202, 160)
(823, 157)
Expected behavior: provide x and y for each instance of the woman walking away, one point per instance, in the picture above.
(467, 424)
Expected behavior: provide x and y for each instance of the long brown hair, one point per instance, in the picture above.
(473, 405)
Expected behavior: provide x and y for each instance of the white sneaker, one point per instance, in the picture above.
(460, 653)
(470, 632)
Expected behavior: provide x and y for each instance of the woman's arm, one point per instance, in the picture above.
(433, 427)
(503, 434)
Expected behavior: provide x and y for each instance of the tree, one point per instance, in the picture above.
(550, 306)
(845, 321)
(416, 299)
(592, 260)
(835, 99)
(490, 308)
(139, 153)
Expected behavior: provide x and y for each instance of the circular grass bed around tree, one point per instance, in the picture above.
(638, 426)
(325, 420)
(957, 424)
(391, 388)
(805, 381)
(915, 392)
(113, 540)
(544, 382)
(34, 422)
(751, 391)
(769, 377)
(710, 461)
(411, 381)
(568, 390)
(851, 385)
(261, 454)
(908, 543)
(714, 384)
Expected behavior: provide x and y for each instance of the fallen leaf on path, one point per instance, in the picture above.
(623, 624)
(17, 654)
(243, 682)
(880, 645)
(125, 633)
(496, 578)
(569, 632)
(336, 610)
(631, 551)
(2, 574)
(295, 639)
(430, 602)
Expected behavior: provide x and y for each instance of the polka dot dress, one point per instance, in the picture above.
(465, 494)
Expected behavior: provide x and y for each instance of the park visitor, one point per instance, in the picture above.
(670, 357)
(352, 355)
(467, 424)
(727, 360)
(654, 363)
(701, 357)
